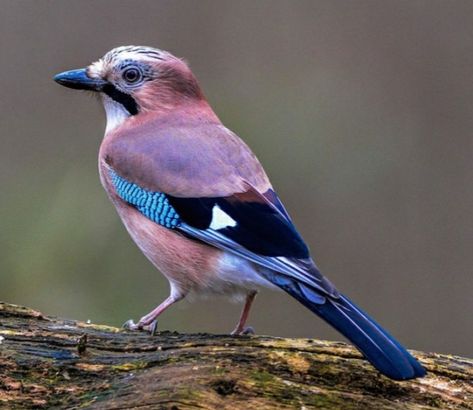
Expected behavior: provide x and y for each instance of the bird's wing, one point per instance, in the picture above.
(249, 225)
(242, 220)
(246, 224)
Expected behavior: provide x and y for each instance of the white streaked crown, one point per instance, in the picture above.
(141, 53)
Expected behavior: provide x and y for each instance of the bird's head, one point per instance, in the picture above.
(133, 80)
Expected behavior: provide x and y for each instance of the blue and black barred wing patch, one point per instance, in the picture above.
(153, 205)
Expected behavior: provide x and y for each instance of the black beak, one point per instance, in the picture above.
(79, 80)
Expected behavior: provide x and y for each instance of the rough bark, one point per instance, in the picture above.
(47, 362)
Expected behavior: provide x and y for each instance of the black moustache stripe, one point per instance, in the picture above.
(124, 99)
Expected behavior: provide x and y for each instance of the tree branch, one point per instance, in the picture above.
(49, 362)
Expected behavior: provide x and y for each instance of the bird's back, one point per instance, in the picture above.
(198, 157)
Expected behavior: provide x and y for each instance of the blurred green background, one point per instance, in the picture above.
(361, 112)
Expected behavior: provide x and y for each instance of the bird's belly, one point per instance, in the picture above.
(189, 265)
(237, 276)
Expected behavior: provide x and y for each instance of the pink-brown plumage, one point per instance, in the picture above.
(187, 264)
(186, 152)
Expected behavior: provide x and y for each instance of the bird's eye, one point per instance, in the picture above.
(132, 75)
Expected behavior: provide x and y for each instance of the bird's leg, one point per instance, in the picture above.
(148, 321)
(240, 327)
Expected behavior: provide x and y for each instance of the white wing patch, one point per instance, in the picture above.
(220, 219)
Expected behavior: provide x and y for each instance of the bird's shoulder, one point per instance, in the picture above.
(184, 158)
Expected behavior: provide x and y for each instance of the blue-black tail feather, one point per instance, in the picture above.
(417, 367)
(383, 351)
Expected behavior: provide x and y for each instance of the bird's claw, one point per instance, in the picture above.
(152, 328)
(130, 325)
(244, 332)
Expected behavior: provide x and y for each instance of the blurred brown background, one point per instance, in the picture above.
(361, 112)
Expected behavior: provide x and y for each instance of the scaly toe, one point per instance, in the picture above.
(152, 328)
(130, 325)
(246, 331)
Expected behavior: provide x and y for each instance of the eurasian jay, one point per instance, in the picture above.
(199, 205)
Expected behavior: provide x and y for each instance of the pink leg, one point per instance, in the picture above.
(151, 317)
(240, 327)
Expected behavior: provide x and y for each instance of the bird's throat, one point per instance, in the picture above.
(116, 113)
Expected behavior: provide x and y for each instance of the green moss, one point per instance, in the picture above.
(129, 366)
(92, 397)
(102, 328)
(262, 376)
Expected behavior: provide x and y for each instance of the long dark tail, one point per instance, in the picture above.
(379, 347)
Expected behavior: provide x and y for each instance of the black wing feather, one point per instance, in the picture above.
(260, 226)
(263, 233)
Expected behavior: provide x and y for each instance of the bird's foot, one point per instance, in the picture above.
(152, 328)
(248, 331)
(244, 331)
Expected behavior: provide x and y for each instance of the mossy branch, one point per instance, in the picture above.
(47, 362)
